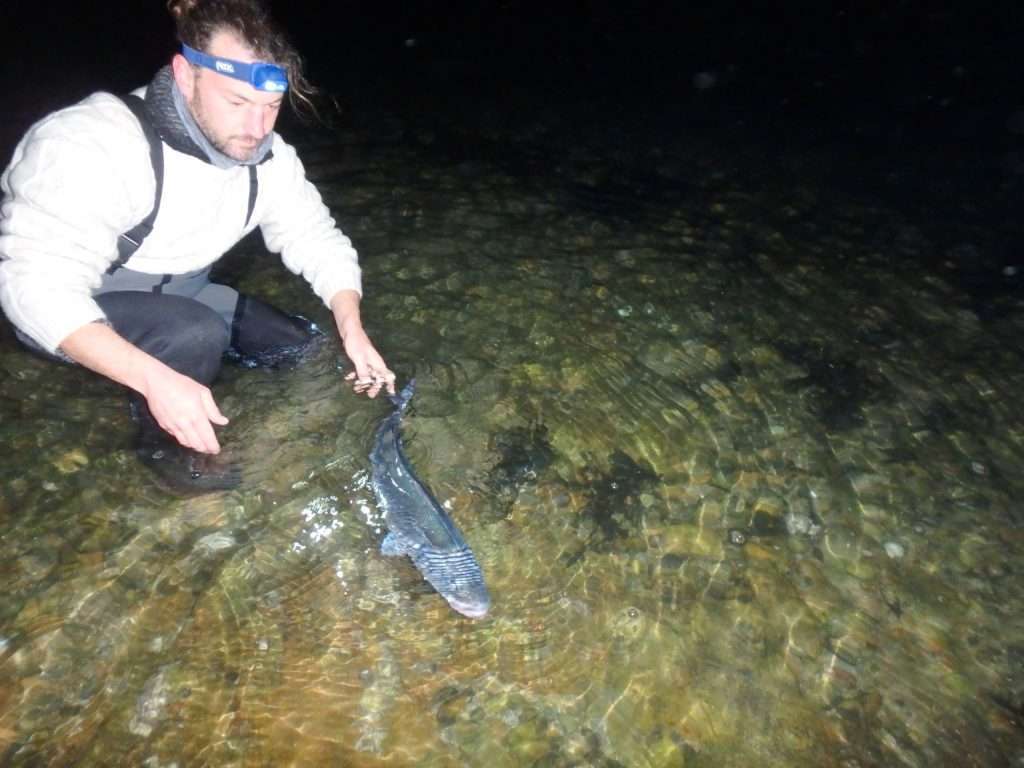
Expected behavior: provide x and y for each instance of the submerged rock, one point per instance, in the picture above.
(616, 498)
(523, 454)
(894, 549)
(216, 542)
(150, 706)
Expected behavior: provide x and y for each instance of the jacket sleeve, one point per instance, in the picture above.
(77, 180)
(296, 223)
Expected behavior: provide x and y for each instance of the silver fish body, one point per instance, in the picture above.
(417, 525)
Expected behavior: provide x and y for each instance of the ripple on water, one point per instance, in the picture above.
(742, 484)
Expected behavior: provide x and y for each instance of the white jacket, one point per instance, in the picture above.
(82, 176)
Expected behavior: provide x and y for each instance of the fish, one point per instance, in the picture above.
(418, 526)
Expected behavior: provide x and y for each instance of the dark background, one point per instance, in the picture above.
(924, 70)
(933, 89)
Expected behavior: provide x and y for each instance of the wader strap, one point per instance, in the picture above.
(236, 321)
(253, 189)
(129, 242)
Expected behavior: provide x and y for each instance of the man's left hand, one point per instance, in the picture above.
(371, 372)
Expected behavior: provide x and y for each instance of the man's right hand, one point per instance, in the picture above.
(184, 408)
(181, 405)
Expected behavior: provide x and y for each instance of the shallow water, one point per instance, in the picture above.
(737, 452)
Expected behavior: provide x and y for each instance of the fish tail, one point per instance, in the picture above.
(401, 400)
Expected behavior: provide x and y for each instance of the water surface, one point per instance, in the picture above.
(735, 438)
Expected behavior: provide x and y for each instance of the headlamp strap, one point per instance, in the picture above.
(261, 75)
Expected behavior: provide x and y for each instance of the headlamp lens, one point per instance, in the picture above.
(268, 77)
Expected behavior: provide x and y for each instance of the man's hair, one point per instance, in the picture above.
(198, 21)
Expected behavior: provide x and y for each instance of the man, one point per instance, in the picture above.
(83, 179)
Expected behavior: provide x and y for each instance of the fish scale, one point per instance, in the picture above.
(418, 526)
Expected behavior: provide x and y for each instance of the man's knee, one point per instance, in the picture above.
(184, 334)
(198, 326)
(265, 337)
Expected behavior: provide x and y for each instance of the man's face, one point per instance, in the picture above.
(233, 115)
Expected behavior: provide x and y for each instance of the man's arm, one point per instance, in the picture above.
(296, 223)
(180, 405)
(371, 371)
(78, 179)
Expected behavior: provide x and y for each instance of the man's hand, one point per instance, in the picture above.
(184, 408)
(180, 405)
(371, 372)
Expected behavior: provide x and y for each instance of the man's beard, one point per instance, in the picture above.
(222, 144)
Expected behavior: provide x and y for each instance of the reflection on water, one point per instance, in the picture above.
(741, 474)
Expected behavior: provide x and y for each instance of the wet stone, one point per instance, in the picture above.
(975, 550)
(72, 461)
(800, 525)
(894, 549)
(672, 562)
(843, 544)
(216, 542)
(757, 551)
(449, 704)
(149, 708)
(768, 523)
(868, 484)
(629, 625)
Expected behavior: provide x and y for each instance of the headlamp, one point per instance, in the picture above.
(261, 75)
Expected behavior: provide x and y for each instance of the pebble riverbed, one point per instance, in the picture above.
(736, 445)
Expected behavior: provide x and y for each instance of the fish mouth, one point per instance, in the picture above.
(470, 610)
